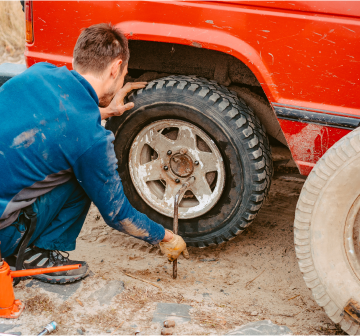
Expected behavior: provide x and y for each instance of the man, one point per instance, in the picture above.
(56, 157)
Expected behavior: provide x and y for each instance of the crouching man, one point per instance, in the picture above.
(56, 158)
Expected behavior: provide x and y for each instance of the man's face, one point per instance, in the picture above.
(114, 87)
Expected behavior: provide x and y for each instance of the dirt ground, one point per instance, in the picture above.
(253, 277)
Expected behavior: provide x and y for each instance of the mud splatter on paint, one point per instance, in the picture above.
(303, 143)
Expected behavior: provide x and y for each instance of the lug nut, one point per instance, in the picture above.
(166, 168)
(196, 162)
(169, 152)
(177, 180)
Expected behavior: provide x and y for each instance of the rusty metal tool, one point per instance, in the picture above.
(178, 197)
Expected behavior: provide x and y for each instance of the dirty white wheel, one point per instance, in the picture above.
(327, 226)
(164, 155)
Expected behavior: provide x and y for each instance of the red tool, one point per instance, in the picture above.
(9, 307)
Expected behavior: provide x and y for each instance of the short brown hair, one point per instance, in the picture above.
(99, 45)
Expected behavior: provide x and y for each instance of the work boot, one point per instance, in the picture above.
(36, 257)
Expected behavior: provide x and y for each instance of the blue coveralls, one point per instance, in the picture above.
(55, 155)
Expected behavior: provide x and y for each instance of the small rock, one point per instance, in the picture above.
(80, 332)
(108, 331)
(167, 331)
(254, 313)
(169, 324)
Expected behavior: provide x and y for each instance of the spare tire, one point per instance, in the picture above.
(327, 232)
(184, 126)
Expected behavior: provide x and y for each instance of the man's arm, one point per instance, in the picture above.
(96, 171)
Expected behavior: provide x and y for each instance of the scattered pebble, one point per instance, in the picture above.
(169, 324)
(167, 331)
(254, 313)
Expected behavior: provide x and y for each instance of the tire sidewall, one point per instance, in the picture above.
(327, 233)
(150, 108)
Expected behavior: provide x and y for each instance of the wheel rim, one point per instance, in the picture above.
(352, 237)
(163, 155)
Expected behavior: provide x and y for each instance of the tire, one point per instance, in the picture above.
(234, 129)
(327, 230)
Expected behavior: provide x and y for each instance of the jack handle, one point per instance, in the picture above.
(178, 197)
(30, 272)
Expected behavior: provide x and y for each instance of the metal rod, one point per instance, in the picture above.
(178, 197)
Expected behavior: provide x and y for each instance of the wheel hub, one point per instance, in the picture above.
(164, 154)
(181, 165)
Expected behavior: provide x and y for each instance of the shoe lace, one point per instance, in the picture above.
(56, 255)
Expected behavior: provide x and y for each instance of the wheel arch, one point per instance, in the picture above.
(231, 62)
(203, 38)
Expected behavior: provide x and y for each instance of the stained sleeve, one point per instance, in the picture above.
(96, 171)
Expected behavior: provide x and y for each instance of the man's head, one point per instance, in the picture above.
(102, 51)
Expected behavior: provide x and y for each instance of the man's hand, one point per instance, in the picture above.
(117, 107)
(174, 247)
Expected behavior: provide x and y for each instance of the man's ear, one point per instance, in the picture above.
(72, 63)
(115, 68)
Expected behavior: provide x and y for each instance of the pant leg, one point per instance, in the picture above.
(60, 216)
(10, 237)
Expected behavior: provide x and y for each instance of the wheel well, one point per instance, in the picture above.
(162, 59)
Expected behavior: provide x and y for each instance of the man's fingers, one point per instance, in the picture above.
(122, 109)
(136, 85)
(133, 86)
(121, 94)
(128, 106)
(186, 254)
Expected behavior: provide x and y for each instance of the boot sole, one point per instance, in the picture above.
(61, 279)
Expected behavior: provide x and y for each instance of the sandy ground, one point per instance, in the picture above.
(253, 277)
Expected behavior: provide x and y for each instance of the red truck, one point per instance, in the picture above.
(226, 80)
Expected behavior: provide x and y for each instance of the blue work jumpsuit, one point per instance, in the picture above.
(56, 156)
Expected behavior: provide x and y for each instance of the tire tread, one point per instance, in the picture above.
(326, 167)
(245, 125)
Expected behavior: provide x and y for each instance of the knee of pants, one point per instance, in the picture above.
(79, 196)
